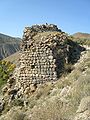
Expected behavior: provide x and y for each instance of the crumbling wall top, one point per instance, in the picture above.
(42, 28)
(38, 33)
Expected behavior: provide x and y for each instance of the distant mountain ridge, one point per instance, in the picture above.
(8, 45)
(82, 35)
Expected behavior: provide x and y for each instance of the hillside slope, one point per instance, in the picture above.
(8, 45)
(13, 58)
(82, 35)
(66, 99)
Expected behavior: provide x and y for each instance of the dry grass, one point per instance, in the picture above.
(47, 103)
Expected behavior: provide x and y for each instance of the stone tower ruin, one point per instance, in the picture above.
(43, 53)
(45, 50)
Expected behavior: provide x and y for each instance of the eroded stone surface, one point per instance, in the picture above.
(45, 50)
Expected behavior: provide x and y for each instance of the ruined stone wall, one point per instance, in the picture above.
(37, 65)
(43, 54)
(45, 50)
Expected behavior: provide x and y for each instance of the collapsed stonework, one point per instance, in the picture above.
(38, 61)
(45, 50)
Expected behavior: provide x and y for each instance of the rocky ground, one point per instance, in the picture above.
(66, 99)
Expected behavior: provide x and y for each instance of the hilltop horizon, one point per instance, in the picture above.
(20, 36)
(71, 17)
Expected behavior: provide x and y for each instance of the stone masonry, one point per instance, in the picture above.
(45, 50)
(43, 54)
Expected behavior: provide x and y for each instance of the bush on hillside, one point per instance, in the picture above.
(6, 69)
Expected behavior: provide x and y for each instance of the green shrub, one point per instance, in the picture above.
(6, 68)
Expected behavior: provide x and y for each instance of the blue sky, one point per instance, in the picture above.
(69, 15)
